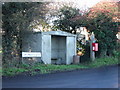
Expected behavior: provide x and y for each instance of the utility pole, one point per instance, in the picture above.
(92, 53)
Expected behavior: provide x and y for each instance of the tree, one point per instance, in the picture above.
(105, 31)
(105, 6)
(17, 18)
(103, 21)
(67, 19)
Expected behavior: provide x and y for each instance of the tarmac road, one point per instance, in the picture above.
(104, 77)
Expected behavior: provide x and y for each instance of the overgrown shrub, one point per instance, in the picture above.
(116, 54)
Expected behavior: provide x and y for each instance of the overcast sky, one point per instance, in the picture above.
(81, 3)
(78, 3)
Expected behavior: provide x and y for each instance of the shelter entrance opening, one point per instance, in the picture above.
(58, 49)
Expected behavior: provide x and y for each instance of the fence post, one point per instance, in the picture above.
(92, 53)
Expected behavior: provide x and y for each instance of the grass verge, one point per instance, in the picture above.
(42, 68)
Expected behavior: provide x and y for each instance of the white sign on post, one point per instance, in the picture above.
(31, 54)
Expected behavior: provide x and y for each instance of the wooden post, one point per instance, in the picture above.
(92, 53)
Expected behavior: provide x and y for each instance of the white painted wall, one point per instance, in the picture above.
(46, 49)
(70, 49)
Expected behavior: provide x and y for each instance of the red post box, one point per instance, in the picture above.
(95, 46)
